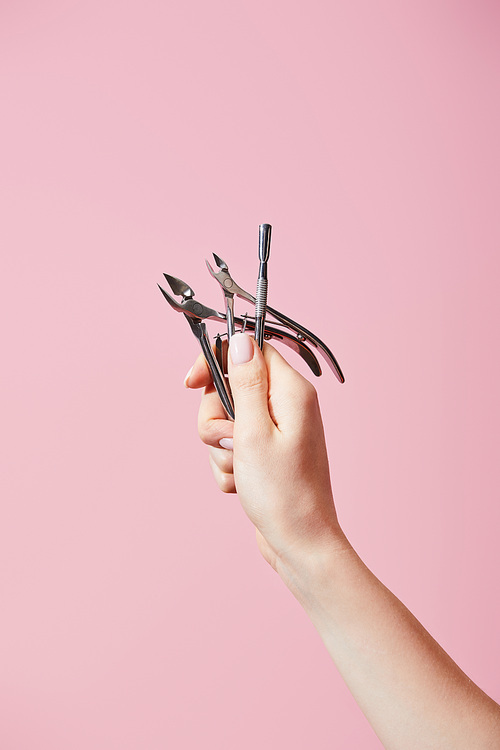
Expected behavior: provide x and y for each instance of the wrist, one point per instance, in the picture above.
(310, 572)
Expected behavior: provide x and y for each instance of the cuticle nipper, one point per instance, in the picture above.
(232, 289)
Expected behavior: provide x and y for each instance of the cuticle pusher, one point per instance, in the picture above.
(261, 295)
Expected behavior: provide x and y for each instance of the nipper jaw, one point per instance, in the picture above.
(189, 306)
(196, 313)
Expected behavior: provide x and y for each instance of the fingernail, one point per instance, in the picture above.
(226, 443)
(240, 348)
(186, 379)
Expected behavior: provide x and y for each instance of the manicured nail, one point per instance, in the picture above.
(186, 379)
(240, 348)
(226, 443)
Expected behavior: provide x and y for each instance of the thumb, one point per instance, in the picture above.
(249, 382)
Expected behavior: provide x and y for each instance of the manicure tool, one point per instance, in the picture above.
(228, 297)
(220, 355)
(261, 295)
(231, 288)
(277, 334)
(195, 313)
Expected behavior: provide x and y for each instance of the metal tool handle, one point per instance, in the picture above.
(218, 352)
(312, 339)
(217, 376)
(287, 338)
(261, 296)
(230, 316)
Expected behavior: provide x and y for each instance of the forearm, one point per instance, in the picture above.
(410, 690)
(412, 693)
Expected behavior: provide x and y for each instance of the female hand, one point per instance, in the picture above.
(274, 454)
(411, 691)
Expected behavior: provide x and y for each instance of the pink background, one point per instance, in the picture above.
(137, 138)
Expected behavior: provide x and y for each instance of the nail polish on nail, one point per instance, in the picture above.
(187, 378)
(226, 443)
(241, 348)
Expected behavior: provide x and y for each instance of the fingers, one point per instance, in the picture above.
(292, 398)
(225, 481)
(199, 375)
(213, 424)
(267, 391)
(249, 384)
(222, 458)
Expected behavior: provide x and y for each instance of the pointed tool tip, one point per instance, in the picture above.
(174, 283)
(220, 262)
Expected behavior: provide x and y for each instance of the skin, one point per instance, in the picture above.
(410, 690)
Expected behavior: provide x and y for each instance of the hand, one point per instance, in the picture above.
(411, 691)
(278, 464)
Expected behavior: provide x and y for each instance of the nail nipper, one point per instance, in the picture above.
(232, 289)
(196, 313)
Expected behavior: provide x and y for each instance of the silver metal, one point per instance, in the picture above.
(264, 242)
(195, 313)
(219, 355)
(270, 333)
(179, 287)
(261, 296)
(260, 308)
(231, 289)
(289, 339)
(217, 374)
(189, 306)
(296, 337)
(225, 279)
(228, 297)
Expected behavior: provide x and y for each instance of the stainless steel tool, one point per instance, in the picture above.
(196, 309)
(278, 334)
(196, 313)
(228, 296)
(261, 295)
(229, 290)
(230, 287)
(288, 331)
